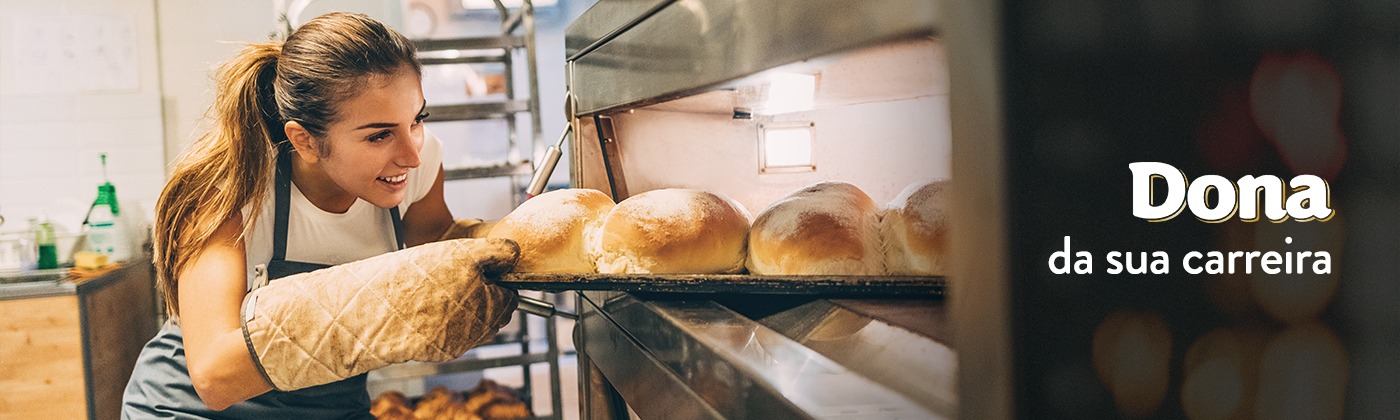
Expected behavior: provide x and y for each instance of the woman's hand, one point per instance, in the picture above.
(210, 291)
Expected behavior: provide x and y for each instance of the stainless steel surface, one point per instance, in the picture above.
(691, 46)
(644, 376)
(605, 19)
(914, 286)
(868, 338)
(700, 355)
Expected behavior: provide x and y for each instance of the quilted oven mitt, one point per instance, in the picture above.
(467, 228)
(429, 303)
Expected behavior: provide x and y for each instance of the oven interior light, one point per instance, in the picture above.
(788, 148)
(790, 92)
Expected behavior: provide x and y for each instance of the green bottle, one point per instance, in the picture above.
(48, 245)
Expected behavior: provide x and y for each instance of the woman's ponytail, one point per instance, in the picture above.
(223, 171)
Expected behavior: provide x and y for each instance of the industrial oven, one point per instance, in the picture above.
(755, 100)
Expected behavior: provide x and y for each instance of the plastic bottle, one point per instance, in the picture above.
(104, 235)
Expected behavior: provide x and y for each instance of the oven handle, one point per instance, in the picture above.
(546, 167)
(543, 309)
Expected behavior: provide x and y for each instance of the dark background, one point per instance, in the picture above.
(1093, 85)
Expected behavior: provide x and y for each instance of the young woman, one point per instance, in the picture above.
(316, 157)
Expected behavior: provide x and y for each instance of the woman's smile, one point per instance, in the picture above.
(394, 183)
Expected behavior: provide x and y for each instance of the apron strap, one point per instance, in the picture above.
(282, 183)
(398, 223)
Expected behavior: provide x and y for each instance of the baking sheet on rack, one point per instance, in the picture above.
(730, 283)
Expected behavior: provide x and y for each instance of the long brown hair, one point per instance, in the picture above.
(259, 90)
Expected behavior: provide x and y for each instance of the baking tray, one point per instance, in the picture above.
(908, 286)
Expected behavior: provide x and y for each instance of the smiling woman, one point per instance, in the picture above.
(317, 157)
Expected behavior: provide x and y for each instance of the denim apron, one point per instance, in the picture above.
(160, 385)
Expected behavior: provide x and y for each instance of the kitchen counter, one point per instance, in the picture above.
(69, 346)
(39, 283)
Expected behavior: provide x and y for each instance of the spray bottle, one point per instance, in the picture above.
(104, 235)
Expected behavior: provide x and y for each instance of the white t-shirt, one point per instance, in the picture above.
(318, 236)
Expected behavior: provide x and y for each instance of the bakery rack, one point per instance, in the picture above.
(513, 41)
(668, 93)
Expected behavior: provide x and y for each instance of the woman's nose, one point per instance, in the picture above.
(406, 155)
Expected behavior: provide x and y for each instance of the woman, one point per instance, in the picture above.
(337, 109)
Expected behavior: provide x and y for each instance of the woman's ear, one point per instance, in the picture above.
(302, 141)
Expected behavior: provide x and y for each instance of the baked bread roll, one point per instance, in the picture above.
(390, 405)
(674, 231)
(915, 229)
(551, 230)
(828, 228)
(436, 403)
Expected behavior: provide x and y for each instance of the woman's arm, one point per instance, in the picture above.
(428, 218)
(211, 290)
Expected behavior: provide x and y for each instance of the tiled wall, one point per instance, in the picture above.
(51, 131)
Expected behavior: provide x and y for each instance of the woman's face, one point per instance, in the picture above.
(377, 137)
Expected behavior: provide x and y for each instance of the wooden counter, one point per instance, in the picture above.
(69, 355)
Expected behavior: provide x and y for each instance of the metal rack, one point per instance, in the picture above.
(517, 32)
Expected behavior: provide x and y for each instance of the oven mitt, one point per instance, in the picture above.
(467, 228)
(429, 303)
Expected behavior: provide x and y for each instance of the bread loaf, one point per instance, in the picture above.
(915, 228)
(552, 229)
(674, 231)
(829, 228)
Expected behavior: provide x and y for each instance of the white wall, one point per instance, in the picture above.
(195, 36)
(68, 93)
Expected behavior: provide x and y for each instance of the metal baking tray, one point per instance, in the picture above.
(907, 286)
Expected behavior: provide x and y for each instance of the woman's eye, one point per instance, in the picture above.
(420, 118)
(379, 136)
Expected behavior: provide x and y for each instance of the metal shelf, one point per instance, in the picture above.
(466, 59)
(418, 369)
(487, 171)
(472, 43)
(478, 111)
